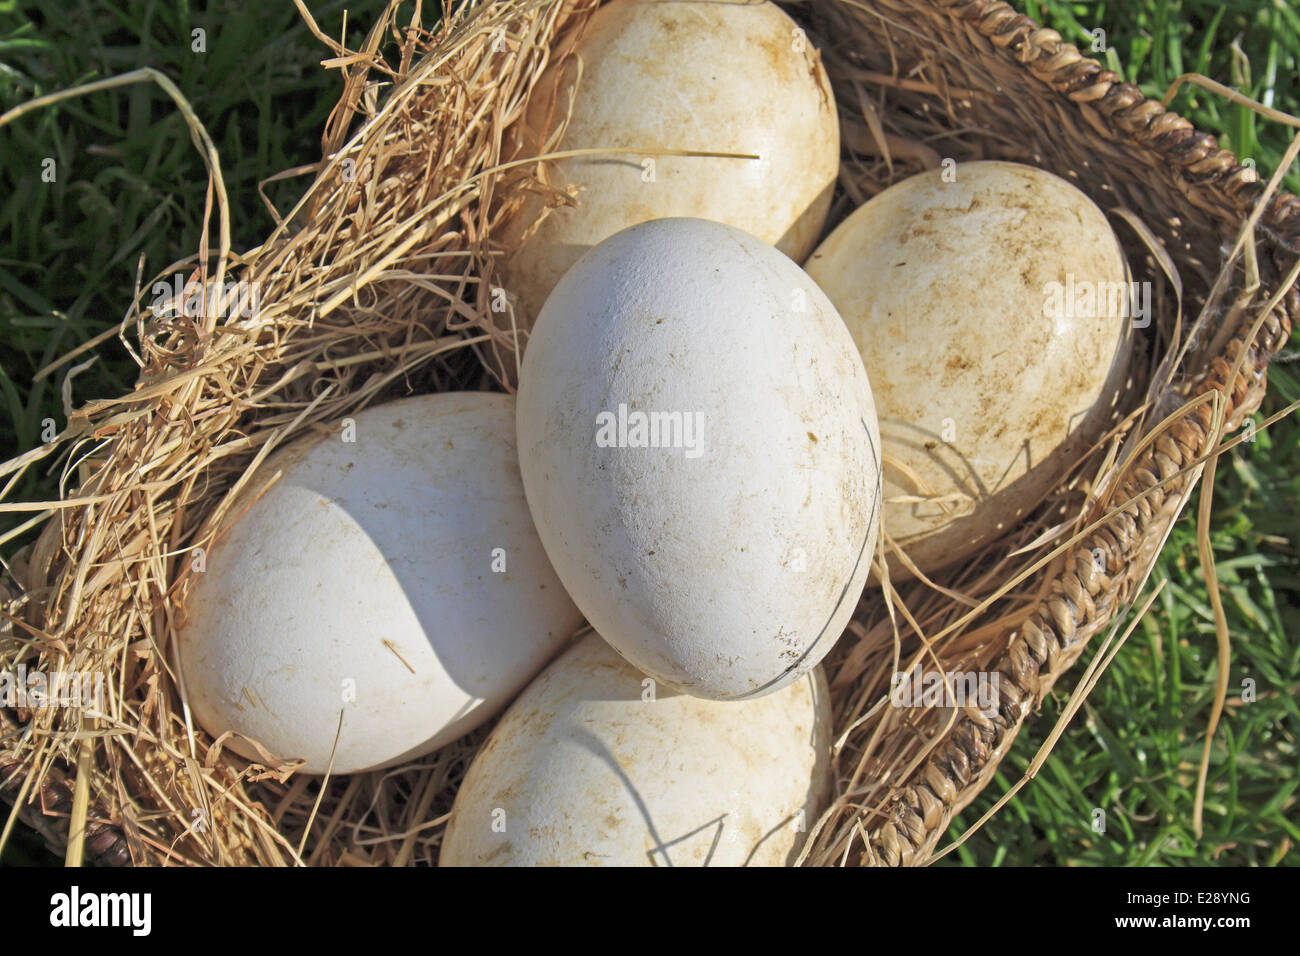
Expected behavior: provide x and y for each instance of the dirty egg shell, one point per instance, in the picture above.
(593, 767)
(721, 544)
(984, 398)
(698, 75)
(363, 580)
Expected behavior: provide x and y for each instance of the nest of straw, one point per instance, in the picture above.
(378, 285)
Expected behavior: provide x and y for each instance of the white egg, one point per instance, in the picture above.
(392, 575)
(699, 445)
(705, 75)
(988, 387)
(595, 766)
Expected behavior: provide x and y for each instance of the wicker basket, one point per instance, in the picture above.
(381, 263)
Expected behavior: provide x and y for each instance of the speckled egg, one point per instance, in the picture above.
(698, 444)
(595, 765)
(707, 75)
(993, 315)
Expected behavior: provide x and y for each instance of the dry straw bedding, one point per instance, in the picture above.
(378, 284)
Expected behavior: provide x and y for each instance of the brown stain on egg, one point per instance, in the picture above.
(956, 329)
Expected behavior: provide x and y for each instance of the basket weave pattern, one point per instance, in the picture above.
(1071, 116)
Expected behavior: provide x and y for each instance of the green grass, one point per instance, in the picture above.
(129, 183)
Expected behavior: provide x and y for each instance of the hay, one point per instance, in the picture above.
(378, 284)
